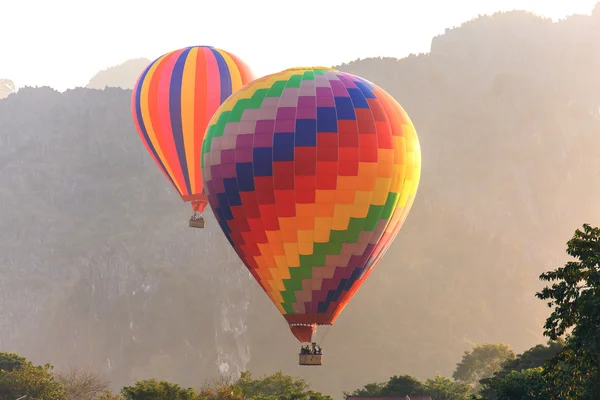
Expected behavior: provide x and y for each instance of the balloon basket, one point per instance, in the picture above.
(311, 359)
(197, 222)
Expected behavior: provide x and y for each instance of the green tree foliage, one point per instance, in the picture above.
(575, 298)
(10, 361)
(37, 382)
(533, 358)
(439, 388)
(527, 384)
(220, 393)
(401, 386)
(108, 395)
(563, 369)
(275, 387)
(370, 389)
(481, 362)
(220, 388)
(404, 385)
(152, 389)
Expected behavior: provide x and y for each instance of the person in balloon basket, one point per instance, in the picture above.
(315, 349)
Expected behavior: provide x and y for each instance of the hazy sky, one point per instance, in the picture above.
(63, 43)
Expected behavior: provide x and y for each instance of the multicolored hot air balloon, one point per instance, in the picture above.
(172, 103)
(310, 173)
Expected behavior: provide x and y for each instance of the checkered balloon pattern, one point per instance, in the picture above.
(310, 173)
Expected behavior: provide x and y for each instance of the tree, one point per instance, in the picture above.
(220, 388)
(35, 382)
(82, 385)
(441, 388)
(528, 384)
(404, 385)
(274, 387)
(370, 389)
(535, 357)
(10, 361)
(108, 395)
(575, 298)
(220, 393)
(151, 389)
(481, 362)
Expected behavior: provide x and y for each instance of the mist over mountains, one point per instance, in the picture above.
(99, 267)
(123, 75)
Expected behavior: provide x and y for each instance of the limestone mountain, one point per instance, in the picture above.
(123, 75)
(6, 87)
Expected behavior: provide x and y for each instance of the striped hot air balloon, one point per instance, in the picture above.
(311, 173)
(172, 103)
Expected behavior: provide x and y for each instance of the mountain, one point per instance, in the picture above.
(6, 87)
(123, 75)
(99, 267)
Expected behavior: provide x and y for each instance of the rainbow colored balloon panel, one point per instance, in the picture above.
(172, 104)
(310, 172)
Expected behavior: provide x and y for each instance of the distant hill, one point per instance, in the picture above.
(6, 87)
(100, 268)
(123, 75)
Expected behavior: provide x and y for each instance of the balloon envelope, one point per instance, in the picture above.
(311, 172)
(172, 103)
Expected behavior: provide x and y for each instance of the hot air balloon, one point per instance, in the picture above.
(172, 103)
(311, 173)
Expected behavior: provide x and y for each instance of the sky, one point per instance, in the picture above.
(63, 43)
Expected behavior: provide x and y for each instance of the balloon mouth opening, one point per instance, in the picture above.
(318, 68)
(303, 332)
